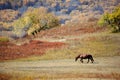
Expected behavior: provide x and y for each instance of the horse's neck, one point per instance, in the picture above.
(77, 57)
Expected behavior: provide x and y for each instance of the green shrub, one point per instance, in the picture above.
(112, 19)
(4, 39)
(21, 25)
(35, 19)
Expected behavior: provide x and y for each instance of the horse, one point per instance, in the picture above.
(84, 56)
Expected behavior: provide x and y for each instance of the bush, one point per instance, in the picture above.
(112, 19)
(21, 25)
(4, 39)
(35, 19)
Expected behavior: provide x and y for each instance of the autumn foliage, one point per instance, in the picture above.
(112, 19)
(35, 19)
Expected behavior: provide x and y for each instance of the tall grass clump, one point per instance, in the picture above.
(4, 39)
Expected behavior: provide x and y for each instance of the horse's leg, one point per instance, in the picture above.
(88, 60)
(91, 60)
(81, 60)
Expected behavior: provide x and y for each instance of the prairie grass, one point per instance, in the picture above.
(4, 39)
(55, 76)
(99, 45)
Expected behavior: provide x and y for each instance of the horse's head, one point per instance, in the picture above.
(76, 58)
(92, 60)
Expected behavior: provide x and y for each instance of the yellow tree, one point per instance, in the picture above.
(112, 19)
(35, 20)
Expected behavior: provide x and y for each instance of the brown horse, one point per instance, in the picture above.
(84, 56)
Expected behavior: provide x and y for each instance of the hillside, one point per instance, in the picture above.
(63, 7)
(78, 29)
(68, 11)
(65, 42)
(40, 39)
(9, 51)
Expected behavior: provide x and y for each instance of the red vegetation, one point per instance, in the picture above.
(34, 47)
(5, 76)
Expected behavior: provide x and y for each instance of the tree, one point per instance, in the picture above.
(112, 19)
(41, 20)
(34, 20)
(21, 25)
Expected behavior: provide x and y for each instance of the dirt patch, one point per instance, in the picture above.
(11, 51)
(89, 75)
(4, 76)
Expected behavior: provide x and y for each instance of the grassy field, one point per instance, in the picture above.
(105, 68)
(97, 44)
(59, 64)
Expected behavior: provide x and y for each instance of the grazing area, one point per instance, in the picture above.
(97, 43)
(59, 39)
(55, 60)
(103, 68)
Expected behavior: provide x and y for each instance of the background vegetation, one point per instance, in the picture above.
(4, 39)
(35, 19)
(112, 19)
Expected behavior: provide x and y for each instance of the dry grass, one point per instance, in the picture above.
(55, 76)
(98, 44)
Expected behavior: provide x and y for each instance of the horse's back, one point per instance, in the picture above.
(84, 55)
